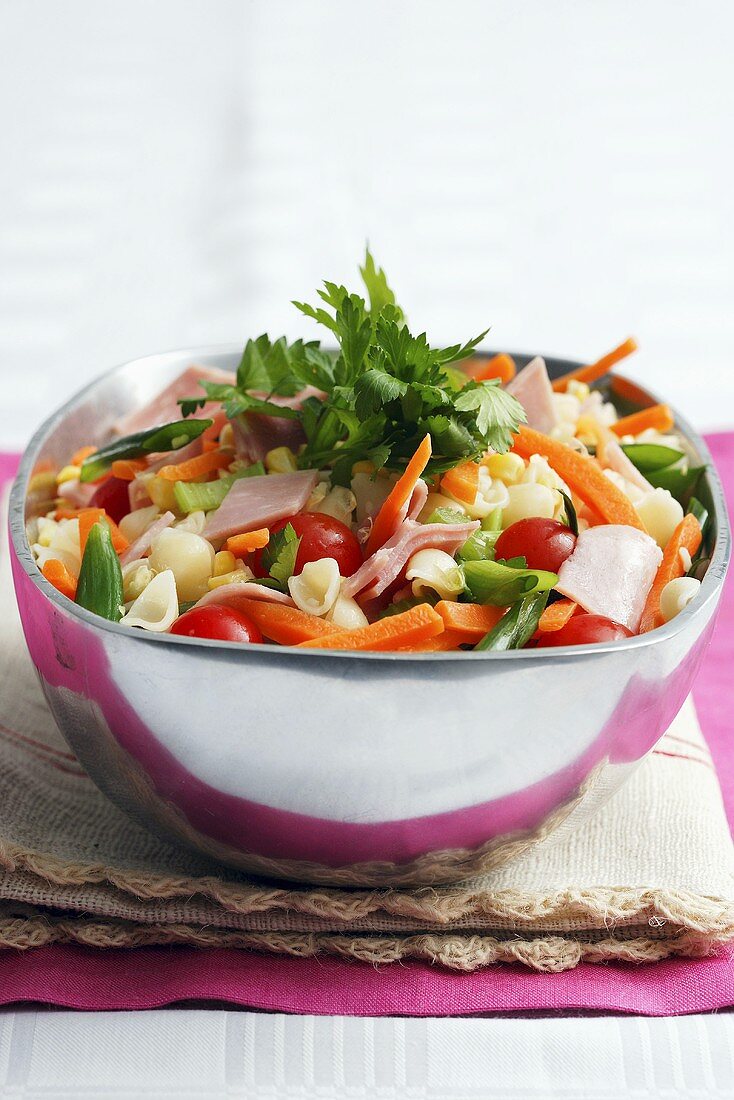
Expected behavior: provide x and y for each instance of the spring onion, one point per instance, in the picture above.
(517, 626)
(99, 589)
(168, 437)
(501, 585)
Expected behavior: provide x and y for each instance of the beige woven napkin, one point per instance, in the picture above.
(651, 875)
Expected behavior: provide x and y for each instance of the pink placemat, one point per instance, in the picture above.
(150, 977)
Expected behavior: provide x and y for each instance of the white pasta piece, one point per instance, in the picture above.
(134, 523)
(339, 503)
(136, 576)
(59, 541)
(539, 472)
(194, 522)
(435, 571)
(567, 408)
(676, 595)
(370, 494)
(316, 588)
(156, 608)
(631, 491)
(492, 493)
(660, 513)
(189, 556)
(318, 494)
(438, 500)
(529, 500)
(685, 559)
(347, 614)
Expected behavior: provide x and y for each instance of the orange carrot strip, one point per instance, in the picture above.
(78, 457)
(582, 474)
(687, 536)
(286, 625)
(196, 467)
(659, 417)
(387, 517)
(209, 445)
(471, 620)
(556, 616)
(393, 632)
(596, 370)
(59, 576)
(499, 366)
(243, 544)
(462, 482)
(127, 468)
(441, 643)
(66, 513)
(87, 519)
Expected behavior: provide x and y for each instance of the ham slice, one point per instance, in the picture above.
(165, 408)
(611, 572)
(257, 433)
(614, 458)
(232, 595)
(79, 494)
(142, 544)
(255, 502)
(385, 566)
(532, 388)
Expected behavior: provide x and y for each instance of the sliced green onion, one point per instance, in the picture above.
(196, 496)
(446, 515)
(168, 437)
(517, 626)
(479, 546)
(572, 521)
(501, 585)
(493, 522)
(695, 508)
(651, 456)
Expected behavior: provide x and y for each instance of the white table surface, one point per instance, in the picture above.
(175, 173)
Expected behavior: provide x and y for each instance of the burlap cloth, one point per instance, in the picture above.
(652, 875)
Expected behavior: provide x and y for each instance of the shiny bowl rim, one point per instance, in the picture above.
(710, 586)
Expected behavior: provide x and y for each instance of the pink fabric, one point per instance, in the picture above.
(84, 978)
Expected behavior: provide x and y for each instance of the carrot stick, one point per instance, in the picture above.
(499, 366)
(582, 474)
(687, 536)
(556, 615)
(78, 457)
(387, 517)
(240, 545)
(402, 631)
(659, 417)
(59, 576)
(471, 620)
(286, 625)
(440, 643)
(595, 370)
(196, 467)
(127, 468)
(462, 482)
(87, 519)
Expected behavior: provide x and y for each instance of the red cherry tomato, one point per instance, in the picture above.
(112, 495)
(321, 537)
(214, 621)
(544, 543)
(584, 629)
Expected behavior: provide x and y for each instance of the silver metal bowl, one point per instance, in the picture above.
(336, 767)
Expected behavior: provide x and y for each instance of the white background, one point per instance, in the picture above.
(174, 173)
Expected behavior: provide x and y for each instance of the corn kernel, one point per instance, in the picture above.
(68, 473)
(280, 460)
(236, 576)
(161, 493)
(224, 562)
(508, 468)
(226, 436)
(578, 389)
(364, 467)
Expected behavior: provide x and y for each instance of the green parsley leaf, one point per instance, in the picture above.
(380, 294)
(279, 556)
(498, 413)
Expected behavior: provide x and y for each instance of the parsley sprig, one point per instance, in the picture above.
(385, 388)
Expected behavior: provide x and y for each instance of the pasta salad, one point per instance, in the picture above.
(386, 496)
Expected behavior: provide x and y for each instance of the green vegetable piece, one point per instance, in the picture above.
(695, 508)
(446, 515)
(571, 518)
(99, 589)
(493, 522)
(501, 585)
(479, 546)
(169, 437)
(517, 626)
(194, 496)
(279, 556)
(651, 456)
(676, 480)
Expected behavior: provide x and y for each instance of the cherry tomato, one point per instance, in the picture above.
(544, 543)
(583, 629)
(112, 495)
(214, 621)
(321, 537)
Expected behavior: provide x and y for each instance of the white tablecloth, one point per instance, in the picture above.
(175, 173)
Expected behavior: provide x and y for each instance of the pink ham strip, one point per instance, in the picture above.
(615, 459)
(255, 502)
(387, 563)
(417, 500)
(164, 407)
(257, 433)
(610, 572)
(232, 595)
(142, 544)
(79, 495)
(532, 388)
